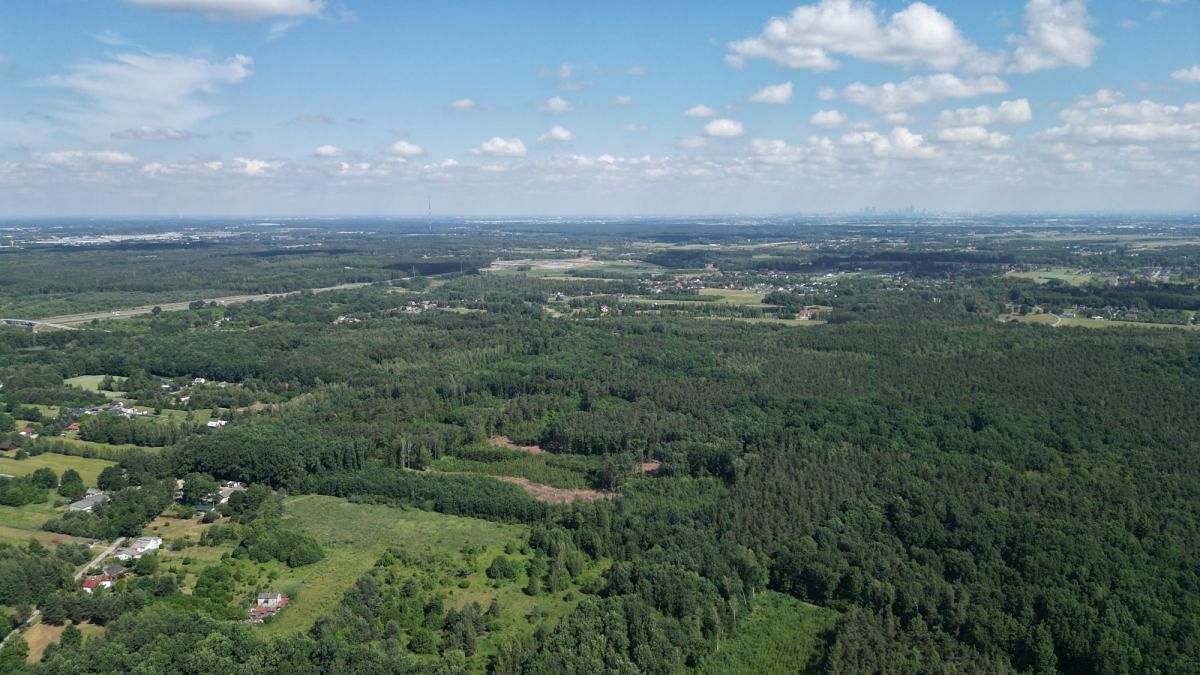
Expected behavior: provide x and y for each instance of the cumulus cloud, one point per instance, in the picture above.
(723, 128)
(557, 134)
(691, 142)
(812, 35)
(634, 127)
(251, 167)
(1189, 75)
(152, 90)
(900, 143)
(328, 151)
(1105, 117)
(700, 111)
(827, 118)
(636, 70)
(1057, 35)
(466, 105)
(243, 10)
(622, 100)
(557, 105)
(1008, 112)
(974, 135)
(501, 147)
(775, 93)
(405, 149)
(894, 97)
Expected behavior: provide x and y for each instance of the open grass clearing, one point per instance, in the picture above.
(1074, 277)
(92, 383)
(88, 468)
(20, 537)
(734, 296)
(781, 635)
(355, 536)
(30, 516)
(42, 635)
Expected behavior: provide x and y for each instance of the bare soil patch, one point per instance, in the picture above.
(651, 467)
(554, 495)
(505, 442)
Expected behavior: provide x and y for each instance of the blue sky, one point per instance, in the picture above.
(143, 107)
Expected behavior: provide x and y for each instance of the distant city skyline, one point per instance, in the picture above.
(325, 107)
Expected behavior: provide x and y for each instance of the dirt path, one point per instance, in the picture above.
(505, 442)
(554, 495)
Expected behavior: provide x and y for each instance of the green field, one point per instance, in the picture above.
(356, 535)
(29, 516)
(734, 296)
(92, 383)
(781, 635)
(1073, 277)
(88, 469)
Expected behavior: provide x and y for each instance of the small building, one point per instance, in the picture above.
(140, 547)
(115, 571)
(90, 499)
(28, 432)
(73, 426)
(90, 584)
(216, 424)
(269, 600)
(266, 605)
(5, 446)
(227, 490)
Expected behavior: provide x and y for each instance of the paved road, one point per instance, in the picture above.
(98, 559)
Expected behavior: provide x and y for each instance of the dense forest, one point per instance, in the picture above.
(969, 495)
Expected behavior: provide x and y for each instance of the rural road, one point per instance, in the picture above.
(96, 561)
(74, 319)
(28, 622)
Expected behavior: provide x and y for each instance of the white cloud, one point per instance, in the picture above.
(251, 167)
(405, 149)
(623, 100)
(636, 70)
(501, 147)
(145, 133)
(557, 134)
(81, 157)
(692, 142)
(466, 105)
(900, 143)
(328, 151)
(147, 90)
(1189, 75)
(700, 111)
(974, 135)
(827, 118)
(894, 97)
(723, 128)
(1105, 118)
(1008, 112)
(1056, 36)
(775, 93)
(812, 35)
(557, 105)
(634, 127)
(245, 10)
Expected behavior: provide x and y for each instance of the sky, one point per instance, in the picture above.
(529, 107)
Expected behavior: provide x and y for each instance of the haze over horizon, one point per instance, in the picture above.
(324, 108)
